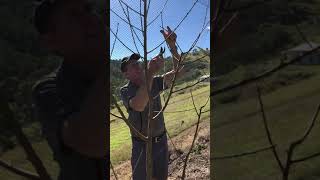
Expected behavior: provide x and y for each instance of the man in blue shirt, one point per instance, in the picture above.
(135, 98)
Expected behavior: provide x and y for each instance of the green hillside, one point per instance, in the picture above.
(196, 65)
(290, 96)
(263, 31)
(238, 128)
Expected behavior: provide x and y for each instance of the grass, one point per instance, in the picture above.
(238, 127)
(17, 158)
(120, 139)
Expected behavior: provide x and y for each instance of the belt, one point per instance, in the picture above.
(155, 139)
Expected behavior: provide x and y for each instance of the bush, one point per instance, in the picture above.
(229, 97)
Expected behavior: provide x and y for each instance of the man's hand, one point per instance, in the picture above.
(155, 65)
(170, 37)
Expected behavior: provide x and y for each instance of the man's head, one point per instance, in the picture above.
(71, 29)
(131, 68)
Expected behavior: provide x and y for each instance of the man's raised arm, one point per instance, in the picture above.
(171, 37)
(140, 100)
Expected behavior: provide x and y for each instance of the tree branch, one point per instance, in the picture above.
(263, 75)
(121, 41)
(115, 175)
(306, 158)
(31, 154)
(124, 20)
(115, 39)
(175, 27)
(267, 129)
(18, 171)
(134, 130)
(243, 154)
(195, 134)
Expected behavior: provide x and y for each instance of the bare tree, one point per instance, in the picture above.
(144, 29)
(32, 156)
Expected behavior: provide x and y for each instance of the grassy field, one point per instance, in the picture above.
(18, 159)
(120, 138)
(120, 141)
(238, 127)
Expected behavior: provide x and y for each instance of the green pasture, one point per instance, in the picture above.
(120, 139)
(238, 127)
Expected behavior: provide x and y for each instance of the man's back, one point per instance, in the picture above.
(56, 97)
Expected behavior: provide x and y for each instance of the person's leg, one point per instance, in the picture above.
(138, 160)
(160, 159)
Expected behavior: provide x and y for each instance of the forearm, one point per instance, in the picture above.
(168, 77)
(175, 58)
(141, 99)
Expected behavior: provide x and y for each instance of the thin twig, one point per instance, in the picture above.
(131, 26)
(121, 41)
(303, 36)
(233, 17)
(115, 175)
(189, 86)
(175, 27)
(195, 134)
(205, 18)
(131, 30)
(117, 116)
(132, 128)
(263, 75)
(158, 14)
(245, 7)
(135, 166)
(174, 147)
(193, 61)
(141, 17)
(148, 7)
(124, 20)
(115, 39)
(243, 154)
(306, 158)
(139, 13)
(293, 145)
(275, 153)
(31, 154)
(312, 123)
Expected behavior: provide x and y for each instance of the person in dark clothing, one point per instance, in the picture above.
(135, 98)
(71, 102)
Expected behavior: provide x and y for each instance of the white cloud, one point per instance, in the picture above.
(208, 27)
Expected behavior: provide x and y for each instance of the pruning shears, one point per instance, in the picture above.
(162, 50)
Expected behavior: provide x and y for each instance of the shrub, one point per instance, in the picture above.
(229, 97)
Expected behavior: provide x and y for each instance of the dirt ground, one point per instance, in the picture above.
(198, 166)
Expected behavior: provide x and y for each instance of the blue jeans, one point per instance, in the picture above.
(160, 159)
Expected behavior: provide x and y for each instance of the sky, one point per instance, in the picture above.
(173, 13)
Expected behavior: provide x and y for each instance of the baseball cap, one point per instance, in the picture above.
(126, 60)
(42, 15)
